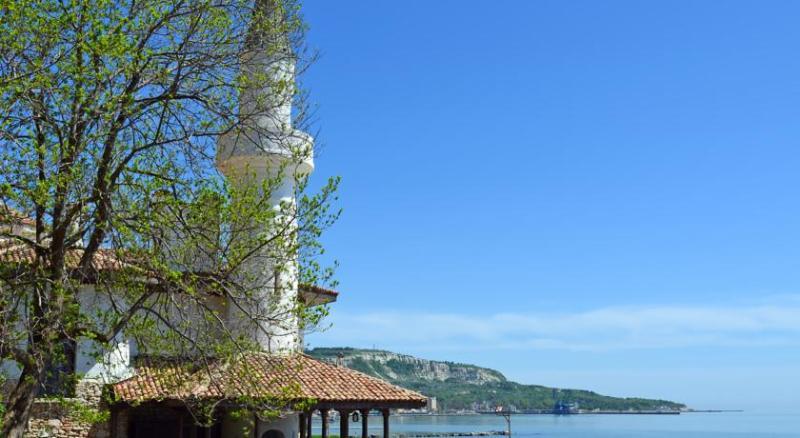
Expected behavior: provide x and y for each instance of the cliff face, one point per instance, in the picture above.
(400, 367)
(462, 387)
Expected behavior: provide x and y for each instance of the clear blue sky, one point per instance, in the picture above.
(603, 195)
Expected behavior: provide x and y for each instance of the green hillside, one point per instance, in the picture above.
(469, 387)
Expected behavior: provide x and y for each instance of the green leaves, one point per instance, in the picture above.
(109, 116)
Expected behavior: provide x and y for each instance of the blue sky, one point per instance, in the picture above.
(603, 195)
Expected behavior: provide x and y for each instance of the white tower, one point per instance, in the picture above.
(267, 147)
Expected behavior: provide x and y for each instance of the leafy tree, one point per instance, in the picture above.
(110, 111)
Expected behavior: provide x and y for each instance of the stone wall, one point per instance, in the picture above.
(55, 419)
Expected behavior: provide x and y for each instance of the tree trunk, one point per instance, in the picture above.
(20, 401)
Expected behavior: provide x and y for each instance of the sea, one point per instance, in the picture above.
(686, 425)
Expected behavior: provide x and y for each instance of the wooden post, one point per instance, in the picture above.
(302, 419)
(385, 413)
(114, 421)
(309, 420)
(323, 413)
(365, 423)
(180, 425)
(344, 423)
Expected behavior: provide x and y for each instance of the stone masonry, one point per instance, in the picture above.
(54, 419)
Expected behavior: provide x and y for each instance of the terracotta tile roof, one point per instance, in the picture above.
(314, 295)
(263, 375)
(10, 215)
(13, 251)
(318, 290)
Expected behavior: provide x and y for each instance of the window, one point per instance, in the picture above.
(59, 378)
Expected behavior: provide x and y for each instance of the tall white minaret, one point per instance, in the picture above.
(267, 147)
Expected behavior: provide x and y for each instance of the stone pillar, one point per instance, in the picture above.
(344, 423)
(365, 423)
(385, 413)
(323, 413)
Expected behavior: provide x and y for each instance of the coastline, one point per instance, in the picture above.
(579, 412)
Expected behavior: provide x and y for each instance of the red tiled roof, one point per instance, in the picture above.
(319, 290)
(10, 215)
(13, 251)
(314, 295)
(261, 375)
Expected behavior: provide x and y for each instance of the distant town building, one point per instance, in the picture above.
(433, 405)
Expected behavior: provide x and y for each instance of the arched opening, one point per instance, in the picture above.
(272, 433)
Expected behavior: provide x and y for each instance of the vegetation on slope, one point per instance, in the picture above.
(452, 386)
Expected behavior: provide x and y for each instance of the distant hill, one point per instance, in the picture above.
(459, 386)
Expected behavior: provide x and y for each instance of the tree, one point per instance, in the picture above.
(109, 115)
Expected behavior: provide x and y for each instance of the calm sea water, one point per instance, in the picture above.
(692, 425)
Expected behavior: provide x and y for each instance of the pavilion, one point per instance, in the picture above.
(153, 401)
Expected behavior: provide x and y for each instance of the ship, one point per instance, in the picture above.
(565, 408)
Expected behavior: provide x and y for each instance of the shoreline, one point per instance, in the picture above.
(603, 412)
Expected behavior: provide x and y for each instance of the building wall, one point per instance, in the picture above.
(52, 419)
(289, 426)
(243, 427)
(96, 363)
(93, 363)
(232, 427)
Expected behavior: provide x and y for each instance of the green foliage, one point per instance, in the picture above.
(85, 414)
(456, 396)
(110, 113)
(400, 367)
(365, 367)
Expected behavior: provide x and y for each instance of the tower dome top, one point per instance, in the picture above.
(265, 137)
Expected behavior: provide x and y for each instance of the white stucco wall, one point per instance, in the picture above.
(289, 425)
(93, 362)
(98, 362)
